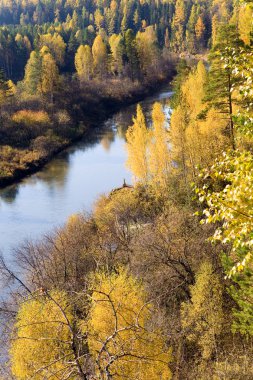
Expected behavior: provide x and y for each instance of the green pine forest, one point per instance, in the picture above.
(157, 282)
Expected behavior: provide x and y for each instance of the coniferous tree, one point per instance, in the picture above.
(200, 31)
(131, 53)
(33, 73)
(5, 90)
(178, 25)
(222, 81)
(190, 29)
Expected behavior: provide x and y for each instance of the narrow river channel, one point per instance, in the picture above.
(71, 182)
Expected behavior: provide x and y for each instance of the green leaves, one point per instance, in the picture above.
(229, 200)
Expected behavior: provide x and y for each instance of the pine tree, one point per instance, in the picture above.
(222, 82)
(178, 26)
(131, 53)
(190, 29)
(167, 39)
(242, 292)
(200, 31)
(5, 90)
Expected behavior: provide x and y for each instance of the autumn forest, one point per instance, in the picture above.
(156, 282)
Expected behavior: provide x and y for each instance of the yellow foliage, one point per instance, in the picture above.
(119, 206)
(72, 220)
(56, 45)
(196, 141)
(41, 347)
(121, 337)
(84, 62)
(30, 118)
(159, 161)
(203, 317)
(49, 73)
(205, 139)
(193, 90)
(178, 123)
(147, 48)
(12, 88)
(99, 54)
(245, 22)
(138, 138)
(117, 49)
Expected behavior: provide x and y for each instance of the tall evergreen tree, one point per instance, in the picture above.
(178, 26)
(222, 81)
(131, 53)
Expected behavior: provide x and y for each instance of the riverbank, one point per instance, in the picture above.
(86, 109)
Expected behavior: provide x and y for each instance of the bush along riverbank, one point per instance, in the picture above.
(34, 129)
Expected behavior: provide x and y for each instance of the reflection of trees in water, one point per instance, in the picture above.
(54, 175)
(124, 119)
(9, 194)
(108, 139)
(121, 132)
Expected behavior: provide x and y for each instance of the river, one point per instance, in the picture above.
(71, 182)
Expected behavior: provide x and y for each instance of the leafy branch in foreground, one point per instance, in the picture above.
(231, 205)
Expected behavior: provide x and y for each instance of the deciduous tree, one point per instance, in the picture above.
(99, 53)
(84, 62)
(122, 338)
(138, 138)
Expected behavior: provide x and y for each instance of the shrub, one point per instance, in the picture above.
(30, 118)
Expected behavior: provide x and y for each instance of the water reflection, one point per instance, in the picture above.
(9, 195)
(71, 182)
(108, 139)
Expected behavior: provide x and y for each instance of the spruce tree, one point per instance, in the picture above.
(222, 81)
(131, 53)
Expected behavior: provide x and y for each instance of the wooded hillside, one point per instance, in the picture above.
(157, 282)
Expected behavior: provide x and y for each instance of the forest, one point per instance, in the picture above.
(156, 283)
(75, 56)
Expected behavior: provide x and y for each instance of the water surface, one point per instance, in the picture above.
(71, 182)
